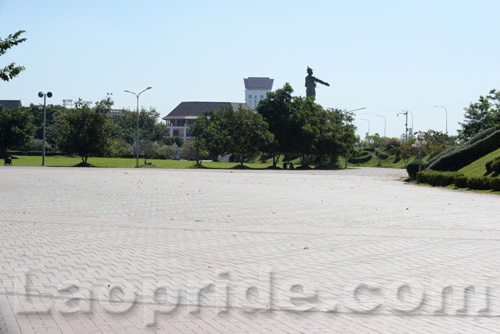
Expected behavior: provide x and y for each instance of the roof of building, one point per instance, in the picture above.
(258, 83)
(11, 104)
(193, 109)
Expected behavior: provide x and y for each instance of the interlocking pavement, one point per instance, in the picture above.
(95, 250)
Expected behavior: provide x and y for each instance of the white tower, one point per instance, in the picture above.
(256, 89)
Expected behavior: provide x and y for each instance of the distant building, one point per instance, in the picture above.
(11, 104)
(116, 112)
(256, 89)
(186, 113)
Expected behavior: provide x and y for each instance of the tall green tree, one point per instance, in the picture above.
(276, 110)
(150, 127)
(12, 70)
(337, 137)
(16, 128)
(481, 115)
(84, 131)
(225, 131)
(249, 134)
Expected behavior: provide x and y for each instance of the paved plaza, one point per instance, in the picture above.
(97, 250)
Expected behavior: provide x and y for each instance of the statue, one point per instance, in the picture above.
(311, 83)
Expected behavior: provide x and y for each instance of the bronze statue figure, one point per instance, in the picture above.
(311, 83)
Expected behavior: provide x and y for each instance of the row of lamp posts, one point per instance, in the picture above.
(49, 95)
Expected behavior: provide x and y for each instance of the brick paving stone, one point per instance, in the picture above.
(212, 251)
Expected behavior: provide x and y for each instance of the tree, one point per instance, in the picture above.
(481, 115)
(84, 131)
(337, 136)
(276, 110)
(249, 134)
(303, 128)
(150, 128)
(11, 71)
(226, 131)
(16, 128)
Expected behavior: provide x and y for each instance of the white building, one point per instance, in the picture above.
(186, 113)
(256, 89)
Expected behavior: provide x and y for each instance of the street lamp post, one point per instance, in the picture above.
(385, 122)
(406, 124)
(44, 95)
(446, 114)
(368, 133)
(412, 128)
(137, 138)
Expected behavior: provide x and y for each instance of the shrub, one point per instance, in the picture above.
(460, 181)
(435, 178)
(457, 157)
(365, 157)
(490, 163)
(381, 155)
(495, 166)
(495, 183)
(479, 183)
(413, 168)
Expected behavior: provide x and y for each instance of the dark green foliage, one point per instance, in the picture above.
(435, 178)
(495, 183)
(150, 128)
(493, 166)
(179, 141)
(478, 183)
(481, 115)
(16, 128)
(381, 155)
(84, 131)
(11, 71)
(457, 157)
(301, 126)
(413, 168)
(365, 157)
(444, 179)
(460, 181)
(226, 131)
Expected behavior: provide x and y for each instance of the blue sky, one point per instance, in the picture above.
(386, 55)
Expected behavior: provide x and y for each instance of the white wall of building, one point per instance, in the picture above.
(253, 96)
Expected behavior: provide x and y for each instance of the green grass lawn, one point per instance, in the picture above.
(477, 168)
(62, 161)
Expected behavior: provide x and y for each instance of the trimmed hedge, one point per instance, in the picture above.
(457, 157)
(479, 183)
(493, 166)
(460, 181)
(413, 168)
(381, 155)
(435, 178)
(365, 157)
(444, 179)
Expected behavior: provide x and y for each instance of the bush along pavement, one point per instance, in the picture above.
(457, 157)
(444, 179)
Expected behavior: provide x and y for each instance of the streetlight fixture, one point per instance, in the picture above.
(385, 122)
(412, 128)
(44, 95)
(446, 113)
(368, 133)
(137, 139)
(406, 123)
